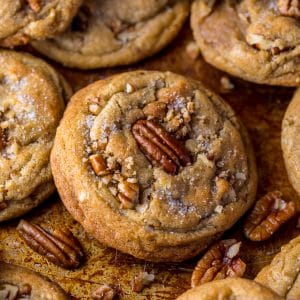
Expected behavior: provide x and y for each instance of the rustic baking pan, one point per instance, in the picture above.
(260, 107)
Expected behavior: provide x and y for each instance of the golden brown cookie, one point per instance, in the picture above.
(230, 289)
(108, 33)
(256, 40)
(283, 274)
(32, 98)
(20, 283)
(22, 21)
(290, 141)
(153, 164)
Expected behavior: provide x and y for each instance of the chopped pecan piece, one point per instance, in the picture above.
(268, 214)
(155, 110)
(104, 292)
(128, 194)
(99, 165)
(220, 261)
(159, 146)
(141, 280)
(289, 8)
(59, 247)
(35, 5)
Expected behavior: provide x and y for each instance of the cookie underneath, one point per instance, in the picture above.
(31, 106)
(253, 40)
(107, 33)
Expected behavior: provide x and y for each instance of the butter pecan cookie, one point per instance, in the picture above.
(256, 40)
(153, 164)
(283, 274)
(228, 289)
(24, 20)
(290, 141)
(31, 104)
(20, 283)
(107, 33)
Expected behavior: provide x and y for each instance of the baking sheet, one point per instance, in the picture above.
(260, 107)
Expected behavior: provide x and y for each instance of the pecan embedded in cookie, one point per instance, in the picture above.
(168, 182)
(159, 146)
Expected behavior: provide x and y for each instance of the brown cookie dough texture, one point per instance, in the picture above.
(31, 104)
(256, 40)
(108, 33)
(20, 283)
(283, 274)
(230, 289)
(163, 217)
(290, 141)
(22, 21)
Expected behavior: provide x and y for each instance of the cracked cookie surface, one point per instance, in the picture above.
(290, 142)
(20, 283)
(107, 33)
(230, 289)
(31, 105)
(258, 41)
(153, 164)
(24, 20)
(283, 274)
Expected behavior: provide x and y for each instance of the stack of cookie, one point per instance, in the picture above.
(150, 163)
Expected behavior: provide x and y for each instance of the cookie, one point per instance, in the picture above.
(290, 142)
(108, 33)
(20, 283)
(282, 275)
(230, 288)
(153, 164)
(24, 21)
(258, 41)
(31, 106)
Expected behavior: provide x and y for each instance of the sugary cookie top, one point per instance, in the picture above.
(31, 105)
(163, 150)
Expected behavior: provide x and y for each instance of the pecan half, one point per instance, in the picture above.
(220, 261)
(104, 292)
(159, 146)
(59, 247)
(268, 214)
(128, 194)
(35, 5)
(290, 8)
